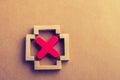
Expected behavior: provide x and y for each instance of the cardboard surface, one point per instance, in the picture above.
(93, 26)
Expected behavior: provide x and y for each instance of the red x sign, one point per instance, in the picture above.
(47, 47)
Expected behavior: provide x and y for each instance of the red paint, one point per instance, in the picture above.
(47, 47)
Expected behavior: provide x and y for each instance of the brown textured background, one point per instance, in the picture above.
(93, 26)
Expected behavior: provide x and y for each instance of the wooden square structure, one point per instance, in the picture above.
(37, 65)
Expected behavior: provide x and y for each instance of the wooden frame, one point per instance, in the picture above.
(37, 65)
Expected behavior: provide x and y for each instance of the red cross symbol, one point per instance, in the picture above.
(47, 47)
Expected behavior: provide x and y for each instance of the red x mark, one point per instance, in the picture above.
(47, 47)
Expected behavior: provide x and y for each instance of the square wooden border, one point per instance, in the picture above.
(37, 65)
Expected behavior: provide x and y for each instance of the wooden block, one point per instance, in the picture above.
(66, 46)
(28, 42)
(37, 65)
(46, 27)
